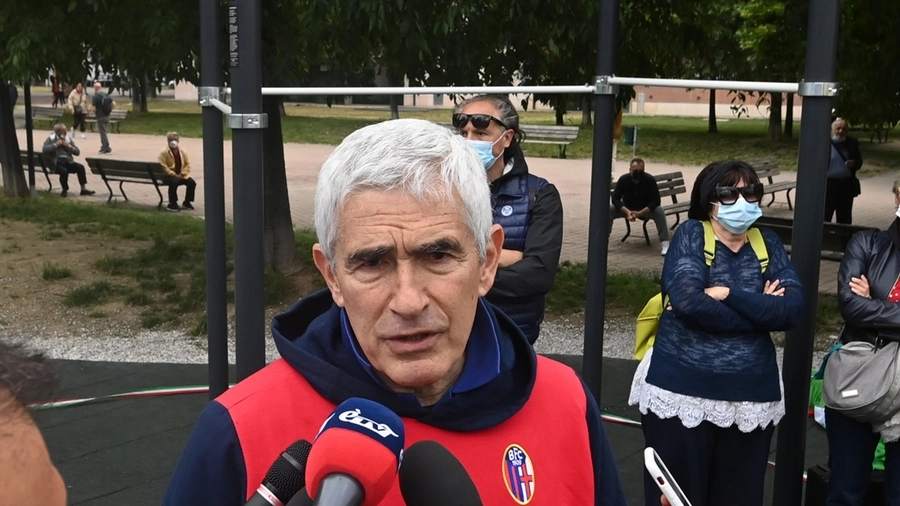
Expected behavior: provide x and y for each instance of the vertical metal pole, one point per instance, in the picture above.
(821, 54)
(29, 136)
(601, 173)
(214, 201)
(245, 56)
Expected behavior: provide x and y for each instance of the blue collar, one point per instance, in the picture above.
(482, 354)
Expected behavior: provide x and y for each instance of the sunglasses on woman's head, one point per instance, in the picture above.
(480, 121)
(728, 195)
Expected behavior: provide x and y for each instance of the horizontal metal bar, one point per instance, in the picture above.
(708, 84)
(218, 104)
(573, 89)
(426, 90)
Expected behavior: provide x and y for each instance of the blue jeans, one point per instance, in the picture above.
(851, 449)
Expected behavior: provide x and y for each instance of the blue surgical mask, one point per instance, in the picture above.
(738, 217)
(485, 150)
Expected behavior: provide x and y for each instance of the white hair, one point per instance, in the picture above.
(422, 158)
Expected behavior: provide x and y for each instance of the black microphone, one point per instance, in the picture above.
(301, 499)
(431, 476)
(285, 478)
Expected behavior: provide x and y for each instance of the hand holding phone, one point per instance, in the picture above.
(663, 479)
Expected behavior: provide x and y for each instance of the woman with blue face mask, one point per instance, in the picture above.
(526, 206)
(709, 390)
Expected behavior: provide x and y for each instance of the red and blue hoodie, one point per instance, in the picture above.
(525, 427)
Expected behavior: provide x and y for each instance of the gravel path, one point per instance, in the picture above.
(557, 337)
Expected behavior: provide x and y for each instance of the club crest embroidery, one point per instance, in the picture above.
(518, 472)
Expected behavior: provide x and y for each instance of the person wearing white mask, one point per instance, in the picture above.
(842, 184)
(527, 207)
(177, 166)
(709, 391)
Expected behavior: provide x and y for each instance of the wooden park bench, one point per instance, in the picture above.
(38, 166)
(123, 171)
(766, 169)
(115, 117)
(835, 236)
(562, 136)
(670, 185)
(49, 114)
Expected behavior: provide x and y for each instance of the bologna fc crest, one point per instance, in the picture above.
(518, 472)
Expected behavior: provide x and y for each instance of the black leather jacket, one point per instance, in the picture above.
(877, 256)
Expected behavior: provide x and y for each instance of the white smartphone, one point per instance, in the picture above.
(663, 478)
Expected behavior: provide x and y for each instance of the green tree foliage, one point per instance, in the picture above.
(774, 34)
(869, 65)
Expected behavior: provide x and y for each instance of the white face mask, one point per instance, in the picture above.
(173, 144)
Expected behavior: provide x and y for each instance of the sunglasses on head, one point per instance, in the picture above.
(728, 195)
(480, 121)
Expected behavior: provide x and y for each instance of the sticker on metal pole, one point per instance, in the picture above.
(233, 36)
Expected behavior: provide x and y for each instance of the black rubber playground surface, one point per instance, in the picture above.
(123, 451)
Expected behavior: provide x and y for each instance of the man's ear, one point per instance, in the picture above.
(509, 135)
(491, 260)
(324, 267)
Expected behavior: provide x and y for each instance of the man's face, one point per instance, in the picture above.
(839, 129)
(409, 277)
(61, 133)
(27, 475)
(97, 86)
(636, 170)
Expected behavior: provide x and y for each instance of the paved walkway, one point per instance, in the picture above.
(572, 178)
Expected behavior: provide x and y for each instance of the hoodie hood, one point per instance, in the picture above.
(308, 336)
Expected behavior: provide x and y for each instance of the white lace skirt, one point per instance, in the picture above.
(748, 416)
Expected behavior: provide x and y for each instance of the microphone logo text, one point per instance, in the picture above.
(355, 417)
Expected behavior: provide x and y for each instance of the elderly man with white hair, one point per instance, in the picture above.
(408, 250)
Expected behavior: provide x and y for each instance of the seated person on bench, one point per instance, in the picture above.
(636, 197)
(60, 149)
(177, 165)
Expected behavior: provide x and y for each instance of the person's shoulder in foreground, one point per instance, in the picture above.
(408, 250)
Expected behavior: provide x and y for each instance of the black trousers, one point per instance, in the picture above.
(713, 466)
(175, 182)
(851, 447)
(64, 167)
(839, 195)
(78, 120)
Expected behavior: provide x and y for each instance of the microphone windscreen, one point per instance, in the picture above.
(362, 439)
(288, 474)
(432, 476)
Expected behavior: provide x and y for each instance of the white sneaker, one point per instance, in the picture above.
(83, 137)
(665, 248)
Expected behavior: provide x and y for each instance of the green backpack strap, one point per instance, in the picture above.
(756, 242)
(759, 246)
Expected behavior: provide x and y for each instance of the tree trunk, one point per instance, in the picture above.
(396, 100)
(14, 183)
(713, 127)
(586, 103)
(280, 249)
(789, 117)
(775, 116)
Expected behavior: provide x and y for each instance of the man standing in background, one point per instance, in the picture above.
(842, 186)
(103, 106)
